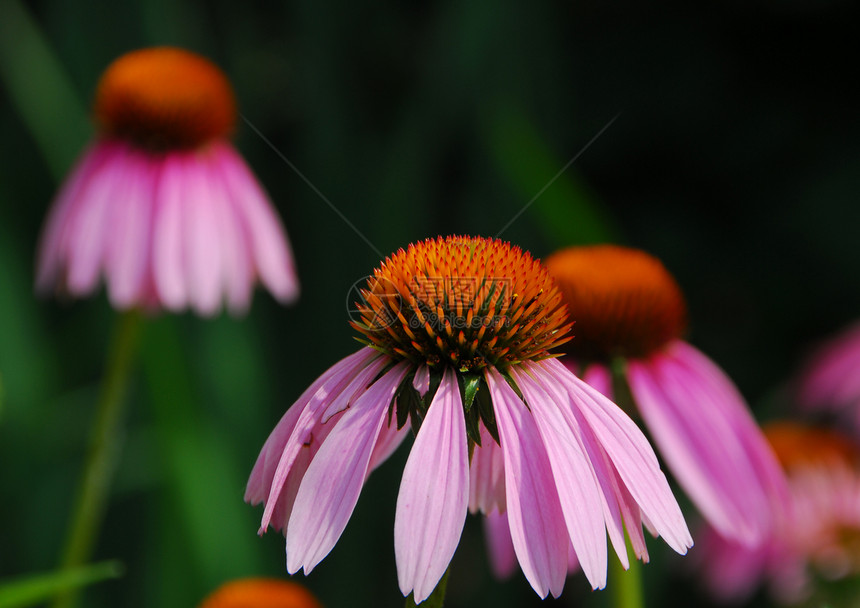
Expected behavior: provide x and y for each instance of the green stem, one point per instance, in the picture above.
(626, 584)
(437, 598)
(103, 452)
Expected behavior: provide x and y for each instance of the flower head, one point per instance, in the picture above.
(630, 316)
(459, 332)
(260, 593)
(819, 539)
(161, 204)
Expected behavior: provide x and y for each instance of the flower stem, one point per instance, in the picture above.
(103, 451)
(626, 584)
(436, 599)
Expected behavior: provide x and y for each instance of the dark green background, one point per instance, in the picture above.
(735, 157)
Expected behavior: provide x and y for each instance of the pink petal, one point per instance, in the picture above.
(260, 481)
(731, 570)
(271, 249)
(169, 264)
(598, 377)
(602, 469)
(536, 520)
(339, 385)
(622, 507)
(51, 258)
(421, 381)
(358, 381)
(487, 476)
(578, 490)
(710, 441)
(389, 440)
(89, 229)
(201, 243)
(128, 255)
(500, 547)
(262, 476)
(332, 483)
(632, 456)
(433, 497)
(234, 247)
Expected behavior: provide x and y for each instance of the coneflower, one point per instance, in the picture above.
(161, 204)
(459, 335)
(631, 316)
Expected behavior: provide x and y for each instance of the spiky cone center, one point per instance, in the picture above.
(625, 302)
(467, 302)
(164, 98)
(261, 593)
(798, 445)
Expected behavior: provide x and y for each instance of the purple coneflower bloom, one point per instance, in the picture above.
(816, 541)
(161, 204)
(459, 332)
(630, 314)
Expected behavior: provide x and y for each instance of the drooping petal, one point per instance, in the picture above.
(709, 440)
(340, 385)
(599, 377)
(271, 248)
(357, 383)
(237, 267)
(500, 547)
(89, 227)
(332, 483)
(487, 476)
(389, 440)
(603, 471)
(623, 507)
(168, 235)
(421, 381)
(632, 456)
(434, 494)
(127, 260)
(536, 520)
(200, 239)
(578, 490)
(52, 243)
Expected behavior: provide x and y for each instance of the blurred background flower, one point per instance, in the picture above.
(631, 320)
(260, 593)
(735, 159)
(160, 204)
(816, 544)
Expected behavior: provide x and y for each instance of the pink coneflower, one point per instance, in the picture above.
(260, 593)
(831, 378)
(161, 204)
(820, 537)
(459, 332)
(630, 316)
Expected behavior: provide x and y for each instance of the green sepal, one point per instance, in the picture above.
(405, 401)
(486, 414)
(416, 419)
(473, 427)
(471, 385)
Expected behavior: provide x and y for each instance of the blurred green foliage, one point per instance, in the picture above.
(735, 158)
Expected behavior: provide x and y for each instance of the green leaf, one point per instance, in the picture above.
(34, 589)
